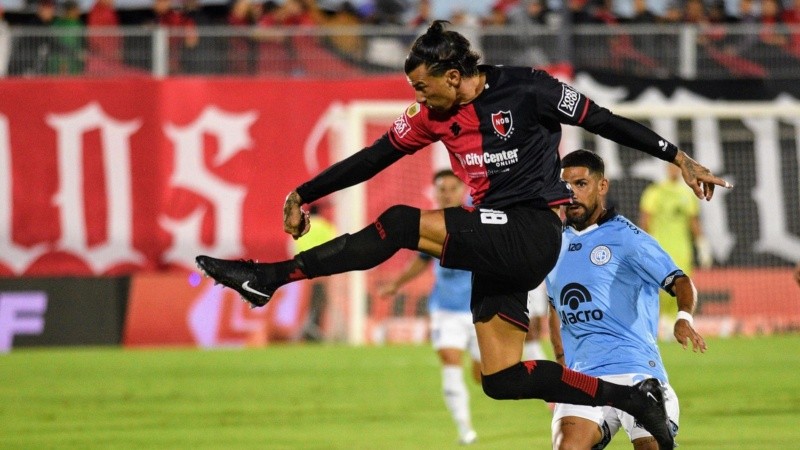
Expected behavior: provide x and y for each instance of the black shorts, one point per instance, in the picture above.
(509, 253)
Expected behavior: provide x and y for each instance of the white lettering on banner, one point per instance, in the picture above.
(115, 144)
(12, 255)
(231, 131)
(768, 192)
(20, 313)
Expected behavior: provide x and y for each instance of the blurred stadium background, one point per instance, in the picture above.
(127, 150)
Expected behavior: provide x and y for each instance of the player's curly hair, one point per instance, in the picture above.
(441, 50)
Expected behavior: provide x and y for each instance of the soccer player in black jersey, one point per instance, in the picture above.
(502, 128)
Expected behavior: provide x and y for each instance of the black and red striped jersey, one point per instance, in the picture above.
(503, 144)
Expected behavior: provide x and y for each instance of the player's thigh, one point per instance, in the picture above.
(576, 426)
(432, 232)
(500, 344)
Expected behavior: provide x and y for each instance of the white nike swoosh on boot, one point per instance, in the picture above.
(249, 289)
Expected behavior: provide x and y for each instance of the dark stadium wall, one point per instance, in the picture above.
(62, 311)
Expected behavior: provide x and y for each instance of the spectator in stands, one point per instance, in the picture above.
(276, 52)
(423, 14)
(528, 14)
(182, 31)
(241, 49)
(536, 12)
(206, 53)
(104, 40)
(389, 12)
(580, 12)
(70, 60)
(5, 43)
(716, 49)
(31, 54)
(641, 14)
(274, 47)
(766, 44)
(791, 17)
(348, 46)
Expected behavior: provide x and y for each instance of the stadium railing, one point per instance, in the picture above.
(654, 51)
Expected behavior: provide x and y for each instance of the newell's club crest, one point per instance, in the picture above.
(503, 124)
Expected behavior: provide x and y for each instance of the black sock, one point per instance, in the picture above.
(397, 228)
(543, 379)
(616, 395)
(285, 271)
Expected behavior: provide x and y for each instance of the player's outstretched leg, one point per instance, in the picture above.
(396, 228)
(552, 382)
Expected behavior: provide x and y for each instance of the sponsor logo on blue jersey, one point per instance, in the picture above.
(578, 299)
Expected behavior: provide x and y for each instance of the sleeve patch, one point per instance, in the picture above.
(412, 110)
(401, 126)
(570, 98)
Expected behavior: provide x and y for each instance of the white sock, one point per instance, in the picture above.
(533, 350)
(456, 397)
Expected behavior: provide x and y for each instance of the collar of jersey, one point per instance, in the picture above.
(610, 214)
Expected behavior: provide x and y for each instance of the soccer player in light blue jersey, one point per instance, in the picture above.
(604, 308)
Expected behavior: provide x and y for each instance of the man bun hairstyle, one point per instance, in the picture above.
(584, 158)
(441, 50)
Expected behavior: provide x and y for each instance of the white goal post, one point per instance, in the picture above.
(694, 125)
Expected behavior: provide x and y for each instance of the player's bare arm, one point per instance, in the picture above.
(698, 177)
(686, 296)
(295, 220)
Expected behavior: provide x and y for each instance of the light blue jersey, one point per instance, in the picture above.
(451, 290)
(605, 290)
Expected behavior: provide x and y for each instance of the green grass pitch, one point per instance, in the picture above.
(744, 393)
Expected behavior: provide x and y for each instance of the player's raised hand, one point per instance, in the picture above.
(685, 333)
(295, 220)
(698, 177)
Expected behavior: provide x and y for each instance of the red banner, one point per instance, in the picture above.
(117, 176)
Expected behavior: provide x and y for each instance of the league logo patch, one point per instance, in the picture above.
(401, 126)
(600, 255)
(569, 100)
(412, 110)
(503, 124)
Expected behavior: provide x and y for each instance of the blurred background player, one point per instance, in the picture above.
(604, 308)
(452, 331)
(669, 211)
(537, 310)
(323, 231)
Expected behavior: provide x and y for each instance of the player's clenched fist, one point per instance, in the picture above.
(295, 219)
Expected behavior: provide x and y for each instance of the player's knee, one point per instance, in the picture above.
(400, 225)
(503, 385)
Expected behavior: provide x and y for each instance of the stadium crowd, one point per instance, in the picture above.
(77, 51)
